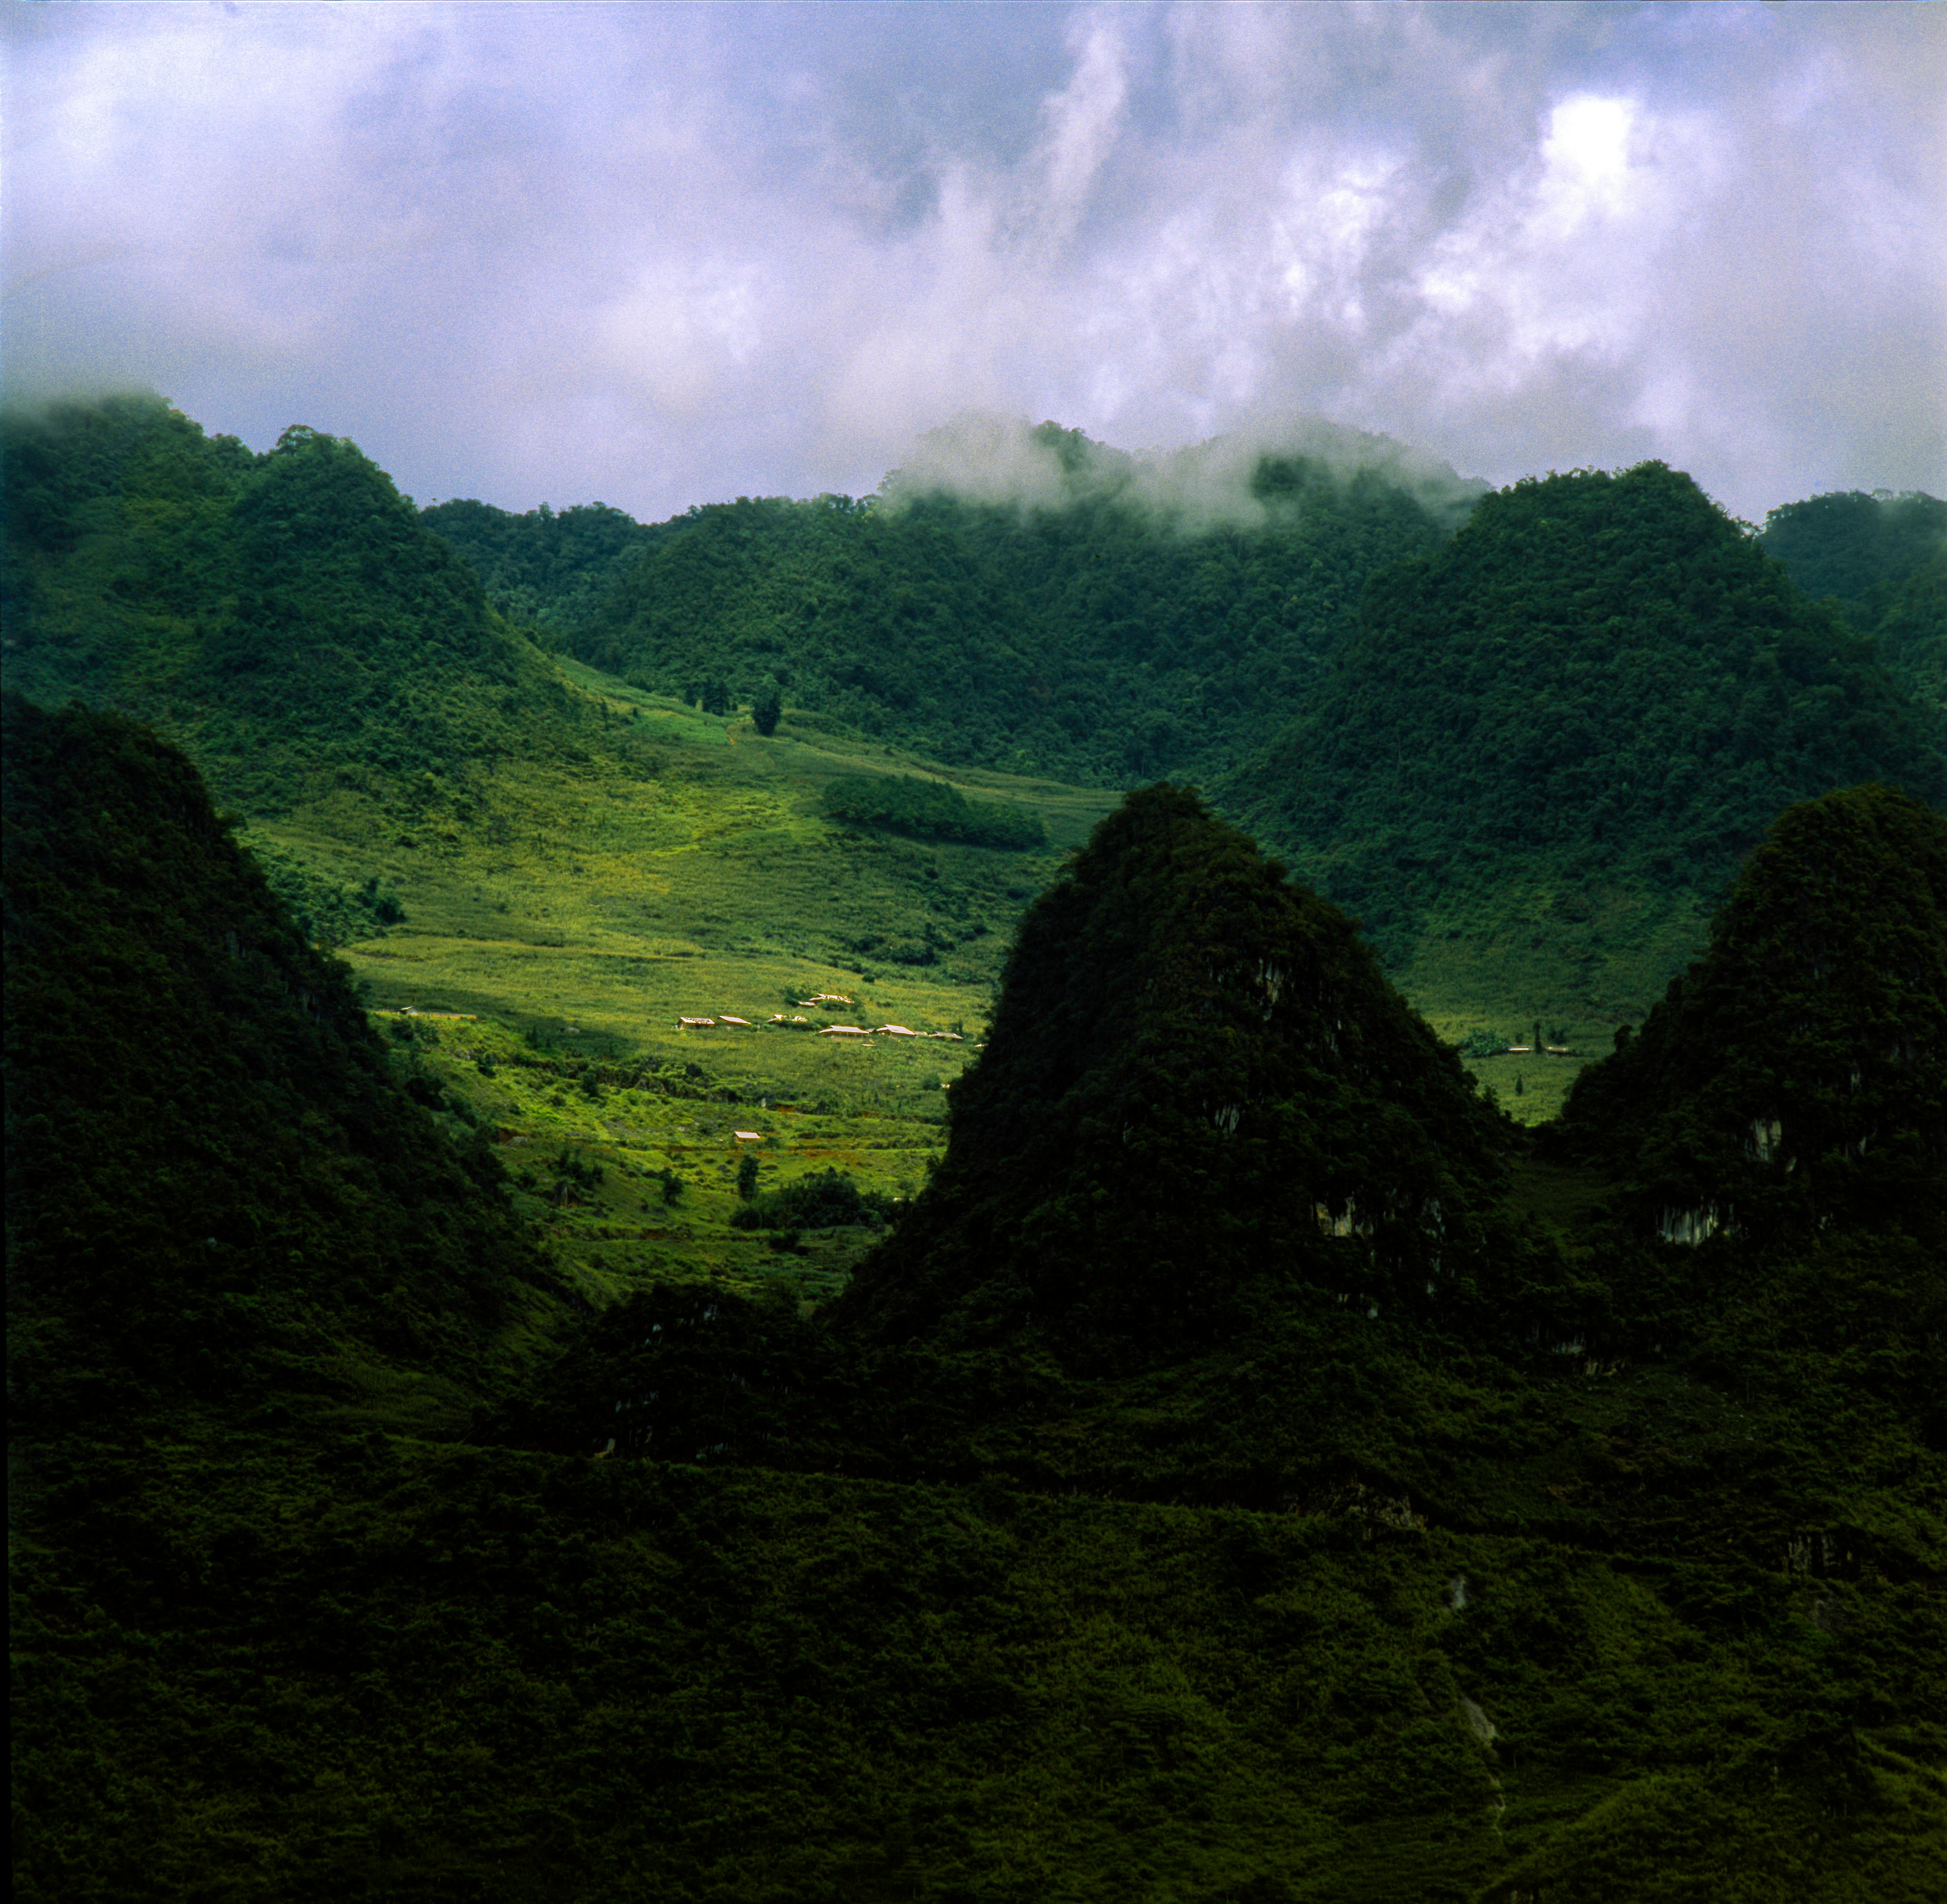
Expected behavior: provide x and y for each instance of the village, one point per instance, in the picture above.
(796, 1021)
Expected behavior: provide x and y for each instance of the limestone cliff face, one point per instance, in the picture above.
(1795, 1077)
(1199, 1091)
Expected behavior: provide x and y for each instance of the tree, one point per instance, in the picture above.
(746, 1177)
(766, 710)
(715, 697)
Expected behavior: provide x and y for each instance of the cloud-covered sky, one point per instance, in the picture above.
(663, 255)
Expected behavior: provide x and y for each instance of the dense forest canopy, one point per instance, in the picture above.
(546, 568)
(1091, 627)
(1601, 678)
(287, 615)
(1883, 558)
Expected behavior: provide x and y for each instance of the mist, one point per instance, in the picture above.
(666, 255)
(981, 457)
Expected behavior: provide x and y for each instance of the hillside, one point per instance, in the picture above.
(1043, 605)
(1199, 1095)
(286, 616)
(1884, 559)
(733, 1598)
(1794, 1078)
(218, 1184)
(1552, 740)
(1526, 756)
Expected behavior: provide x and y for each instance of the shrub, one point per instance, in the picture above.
(827, 1199)
(930, 809)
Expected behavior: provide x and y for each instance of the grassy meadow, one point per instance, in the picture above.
(559, 922)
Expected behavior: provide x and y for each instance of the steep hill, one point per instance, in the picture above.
(1794, 1078)
(1199, 1096)
(217, 1183)
(1028, 600)
(286, 617)
(1884, 559)
(1563, 728)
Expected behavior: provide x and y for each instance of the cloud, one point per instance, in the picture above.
(984, 457)
(663, 255)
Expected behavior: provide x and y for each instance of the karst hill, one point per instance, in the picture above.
(218, 1185)
(1200, 1093)
(287, 618)
(1564, 726)
(1794, 1079)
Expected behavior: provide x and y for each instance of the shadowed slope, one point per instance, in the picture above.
(213, 1176)
(1796, 1076)
(1199, 1091)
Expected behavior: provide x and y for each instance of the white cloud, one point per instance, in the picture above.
(662, 255)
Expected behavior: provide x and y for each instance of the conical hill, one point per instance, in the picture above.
(1795, 1077)
(286, 618)
(1200, 1093)
(218, 1184)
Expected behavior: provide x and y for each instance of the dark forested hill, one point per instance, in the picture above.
(1795, 1077)
(216, 1184)
(1601, 682)
(1094, 629)
(1199, 1095)
(286, 616)
(1884, 559)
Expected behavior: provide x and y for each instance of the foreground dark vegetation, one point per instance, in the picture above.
(1412, 1521)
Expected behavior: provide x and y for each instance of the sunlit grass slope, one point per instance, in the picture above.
(687, 872)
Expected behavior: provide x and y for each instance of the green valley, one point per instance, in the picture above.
(620, 1288)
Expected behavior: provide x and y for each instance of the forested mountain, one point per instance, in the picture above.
(1068, 619)
(287, 616)
(1600, 682)
(1884, 559)
(1794, 1079)
(217, 1186)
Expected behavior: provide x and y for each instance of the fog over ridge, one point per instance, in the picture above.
(981, 456)
(664, 255)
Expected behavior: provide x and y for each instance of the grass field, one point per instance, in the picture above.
(574, 917)
(574, 914)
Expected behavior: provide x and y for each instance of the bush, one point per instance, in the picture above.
(825, 1200)
(930, 809)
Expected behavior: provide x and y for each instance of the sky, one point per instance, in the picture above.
(661, 256)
